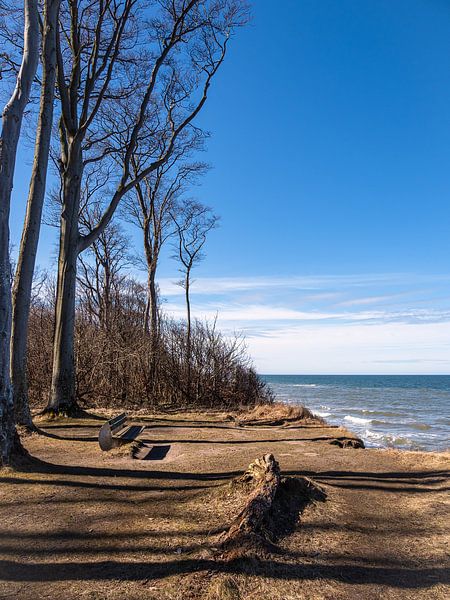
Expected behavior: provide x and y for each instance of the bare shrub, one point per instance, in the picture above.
(115, 364)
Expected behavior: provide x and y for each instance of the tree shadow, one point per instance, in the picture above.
(395, 481)
(287, 565)
(71, 438)
(400, 577)
(239, 442)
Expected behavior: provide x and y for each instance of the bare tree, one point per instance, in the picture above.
(115, 80)
(155, 201)
(151, 208)
(11, 126)
(23, 281)
(193, 224)
(101, 272)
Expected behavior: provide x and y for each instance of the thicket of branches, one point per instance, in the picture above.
(117, 364)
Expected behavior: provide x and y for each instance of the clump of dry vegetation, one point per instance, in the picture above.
(277, 413)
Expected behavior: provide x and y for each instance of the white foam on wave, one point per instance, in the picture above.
(389, 440)
(357, 420)
(321, 413)
(373, 435)
(304, 385)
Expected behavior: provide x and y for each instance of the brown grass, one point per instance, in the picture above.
(277, 413)
(224, 588)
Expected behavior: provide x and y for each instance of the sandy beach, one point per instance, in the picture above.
(81, 523)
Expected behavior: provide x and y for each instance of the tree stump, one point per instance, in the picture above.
(264, 474)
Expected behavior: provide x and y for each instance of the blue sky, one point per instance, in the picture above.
(330, 148)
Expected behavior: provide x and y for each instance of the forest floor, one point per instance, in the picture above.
(77, 522)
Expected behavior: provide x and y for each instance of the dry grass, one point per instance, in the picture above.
(277, 413)
(223, 588)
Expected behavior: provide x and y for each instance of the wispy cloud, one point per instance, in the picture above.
(351, 323)
(217, 285)
(372, 300)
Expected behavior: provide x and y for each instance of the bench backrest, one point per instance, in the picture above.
(118, 422)
(110, 428)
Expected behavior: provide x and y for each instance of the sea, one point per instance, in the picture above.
(411, 412)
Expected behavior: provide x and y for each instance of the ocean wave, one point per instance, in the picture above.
(388, 440)
(420, 426)
(357, 420)
(382, 413)
(321, 413)
(307, 385)
(396, 417)
(373, 435)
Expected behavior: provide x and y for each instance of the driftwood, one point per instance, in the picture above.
(264, 474)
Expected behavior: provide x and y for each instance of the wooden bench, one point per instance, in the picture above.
(118, 431)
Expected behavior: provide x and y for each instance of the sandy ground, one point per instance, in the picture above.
(80, 523)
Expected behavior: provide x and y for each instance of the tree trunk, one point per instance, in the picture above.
(11, 125)
(63, 391)
(153, 302)
(152, 323)
(7, 427)
(188, 334)
(28, 247)
(188, 314)
(151, 257)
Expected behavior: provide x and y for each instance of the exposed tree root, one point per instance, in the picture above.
(27, 430)
(18, 453)
(264, 474)
(348, 442)
(270, 512)
(68, 411)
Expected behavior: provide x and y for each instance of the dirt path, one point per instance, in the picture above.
(79, 523)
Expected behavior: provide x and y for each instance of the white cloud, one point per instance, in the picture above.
(218, 285)
(365, 349)
(240, 314)
(335, 324)
(251, 312)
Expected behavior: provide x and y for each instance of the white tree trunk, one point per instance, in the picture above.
(30, 236)
(11, 125)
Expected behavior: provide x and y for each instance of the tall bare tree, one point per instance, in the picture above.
(115, 79)
(23, 281)
(9, 139)
(155, 201)
(193, 224)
